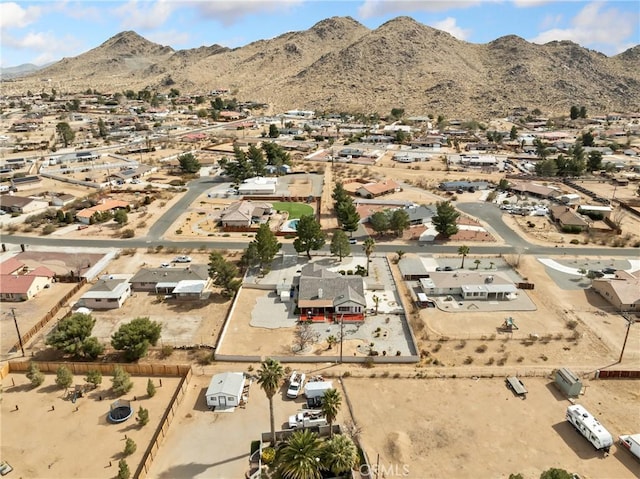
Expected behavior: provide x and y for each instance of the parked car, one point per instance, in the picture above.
(609, 270)
(182, 259)
(353, 241)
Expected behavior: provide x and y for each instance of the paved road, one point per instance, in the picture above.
(487, 212)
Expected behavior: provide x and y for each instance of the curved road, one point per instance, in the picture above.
(484, 211)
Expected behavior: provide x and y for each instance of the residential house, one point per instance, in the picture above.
(471, 285)
(258, 185)
(11, 266)
(375, 189)
(412, 268)
(535, 189)
(166, 280)
(109, 292)
(567, 218)
(245, 213)
(14, 287)
(62, 199)
(21, 204)
(623, 291)
(84, 216)
(325, 295)
(225, 390)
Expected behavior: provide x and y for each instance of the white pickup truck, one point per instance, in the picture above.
(296, 381)
(307, 419)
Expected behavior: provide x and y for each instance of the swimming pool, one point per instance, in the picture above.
(290, 226)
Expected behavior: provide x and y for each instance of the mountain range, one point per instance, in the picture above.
(341, 65)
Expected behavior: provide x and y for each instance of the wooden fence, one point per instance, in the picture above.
(47, 317)
(617, 374)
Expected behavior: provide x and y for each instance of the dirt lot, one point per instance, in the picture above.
(228, 434)
(62, 442)
(459, 427)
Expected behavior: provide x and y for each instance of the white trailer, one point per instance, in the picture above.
(589, 427)
(307, 419)
(316, 389)
(631, 442)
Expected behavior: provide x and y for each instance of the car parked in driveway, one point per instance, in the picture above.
(182, 259)
(353, 241)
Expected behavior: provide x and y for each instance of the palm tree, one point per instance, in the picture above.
(463, 251)
(376, 300)
(300, 457)
(477, 263)
(269, 377)
(400, 254)
(491, 263)
(339, 454)
(331, 340)
(331, 403)
(368, 246)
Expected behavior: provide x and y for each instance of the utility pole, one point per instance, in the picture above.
(341, 335)
(626, 336)
(13, 312)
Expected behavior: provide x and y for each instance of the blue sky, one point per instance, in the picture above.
(48, 30)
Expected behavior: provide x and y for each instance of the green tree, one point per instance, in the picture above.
(368, 247)
(477, 263)
(503, 184)
(587, 139)
(397, 113)
(257, 161)
(121, 381)
(67, 135)
(547, 167)
(463, 251)
(541, 149)
(445, 219)
(121, 217)
(348, 216)
(594, 160)
(554, 473)
(189, 163)
(400, 253)
(269, 377)
(266, 245)
(309, 235)
(129, 447)
(513, 134)
(94, 377)
(64, 378)
(399, 221)
(135, 337)
(574, 112)
(34, 375)
(72, 336)
(583, 112)
(123, 470)
(273, 131)
(339, 454)
(379, 221)
(299, 456)
(224, 274)
(275, 154)
(102, 129)
(331, 402)
(151, 388)
(339, 194)
(331, 341)
(340, 244)
(143, 416)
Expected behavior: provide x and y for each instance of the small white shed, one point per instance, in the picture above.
(225, 390)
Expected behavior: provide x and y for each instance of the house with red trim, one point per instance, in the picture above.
(324, 295)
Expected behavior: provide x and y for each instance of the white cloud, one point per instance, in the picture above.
(46, 46)
(595, 26)
(141, 15)
(13, 15)
(449, 25)
(551, 20)
(375, 8)
(172, 38)
(228, 12)
(530, 3)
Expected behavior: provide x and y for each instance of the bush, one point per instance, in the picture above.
(166, 351)
(35, 375)
(151, 388)
(94, 377)
(121, 381)
(48, 229)
(143, 416)
(64, 378)
(268, 455)
(123, 470)
(571, 324)
(468, 360)
(482, 348)
(574, 241)
(130, 447)
(128, 233)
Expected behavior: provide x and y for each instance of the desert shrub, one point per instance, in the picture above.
(461, 344)
(48, 229)
(490, 361)
(166, 351)
(130, 447)
(482, 348)
(574, 241)
(436, 348)
(571, 324)
(128, 233)
(468, 360)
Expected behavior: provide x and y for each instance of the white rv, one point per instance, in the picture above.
(631, 442)
(589, 427)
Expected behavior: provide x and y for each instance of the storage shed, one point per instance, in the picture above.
(568, 382)
(225, 390)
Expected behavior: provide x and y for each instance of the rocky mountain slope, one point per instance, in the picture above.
(340, 65)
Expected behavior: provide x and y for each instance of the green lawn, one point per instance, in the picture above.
(296, 210)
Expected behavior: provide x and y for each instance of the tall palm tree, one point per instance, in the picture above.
(300, 457)
(368, 246)
(339, 454)
(269, 377)
(331, 403)
(463, 251)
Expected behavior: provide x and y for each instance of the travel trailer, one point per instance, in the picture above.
(589, 427)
